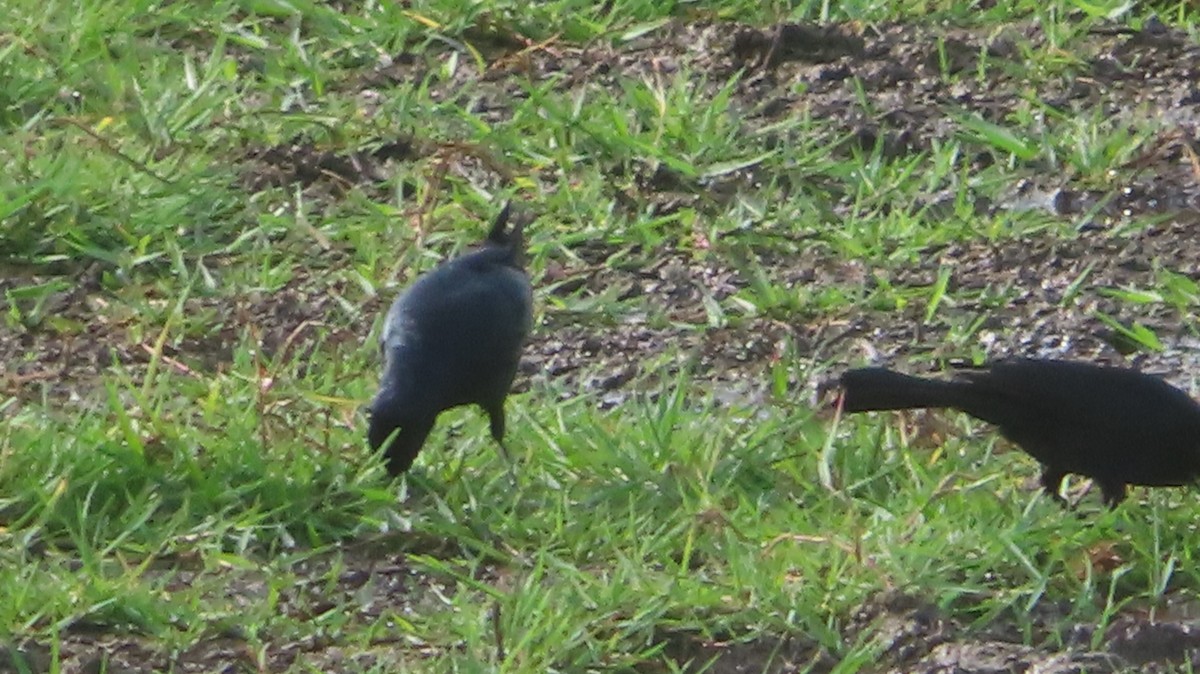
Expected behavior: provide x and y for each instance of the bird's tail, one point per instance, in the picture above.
(876, 388)
(514, 240)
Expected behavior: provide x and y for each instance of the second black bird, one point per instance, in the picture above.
(452, 338)
(1117, 426)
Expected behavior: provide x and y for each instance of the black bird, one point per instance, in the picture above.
(1114, 425)
(453, 338)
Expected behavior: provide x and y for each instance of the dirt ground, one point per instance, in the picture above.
(911, 636)
(1151, 73)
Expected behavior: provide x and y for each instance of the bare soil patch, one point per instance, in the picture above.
(903, 71)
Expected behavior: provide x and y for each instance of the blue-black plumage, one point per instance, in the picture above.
(454, 337)
(1115, 425)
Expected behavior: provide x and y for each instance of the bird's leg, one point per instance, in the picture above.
(1052, 479)
(1114, 493)
(503, 450)
(509, 464)
(495, 414)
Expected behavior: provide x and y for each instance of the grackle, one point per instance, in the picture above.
(454, 337)
(1114, 425)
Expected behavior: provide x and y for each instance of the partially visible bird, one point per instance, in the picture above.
(454, 337)
(1117, 426)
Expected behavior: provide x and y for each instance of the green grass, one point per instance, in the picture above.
(200, 476)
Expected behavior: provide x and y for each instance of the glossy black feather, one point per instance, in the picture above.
(1114, 425)
(454, 337)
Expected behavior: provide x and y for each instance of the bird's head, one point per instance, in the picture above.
(380, 428)
(398, 431)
